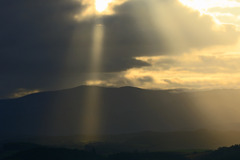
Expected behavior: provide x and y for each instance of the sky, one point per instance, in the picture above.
(152, 44)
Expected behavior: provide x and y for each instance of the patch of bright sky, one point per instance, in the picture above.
(97, 8)
(205, 6)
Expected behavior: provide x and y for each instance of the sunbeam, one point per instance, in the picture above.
(92, 116)
(98, 35)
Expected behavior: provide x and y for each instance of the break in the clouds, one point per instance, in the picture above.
(227, 15)
(223, 11)
(44, 46)
(96, 8)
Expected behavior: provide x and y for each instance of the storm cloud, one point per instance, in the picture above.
(41, 44)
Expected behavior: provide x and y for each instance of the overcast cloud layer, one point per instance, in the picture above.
(43, 47)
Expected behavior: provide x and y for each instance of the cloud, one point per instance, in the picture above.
(145, 79)
(234, 10)
(227, 15)
(210, 68)
(43, 46)
(22, 92)
(222, 11)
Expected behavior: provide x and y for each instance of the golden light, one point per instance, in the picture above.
(91, 121)
(222, 13)
(102, 5)
(197, 4)
(97, 47)
(92, 8)
(204, 5)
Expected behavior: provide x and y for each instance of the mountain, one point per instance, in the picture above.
(118, 110)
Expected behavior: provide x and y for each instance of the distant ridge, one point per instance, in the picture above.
(123, 110)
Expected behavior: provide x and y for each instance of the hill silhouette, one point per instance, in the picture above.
(122, 110)
(37, 152)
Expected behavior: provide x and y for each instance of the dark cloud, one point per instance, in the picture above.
(145, 79)
(41, 44)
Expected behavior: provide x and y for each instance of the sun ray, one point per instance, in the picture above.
(91, 121)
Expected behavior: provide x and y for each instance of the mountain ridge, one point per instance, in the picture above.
(124, 109)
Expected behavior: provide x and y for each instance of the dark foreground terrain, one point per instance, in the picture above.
(25, 151)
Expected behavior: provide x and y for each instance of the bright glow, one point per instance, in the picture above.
(218, 13)
(101, 5)
(97, 7)
(204, 5)
(23, 92)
